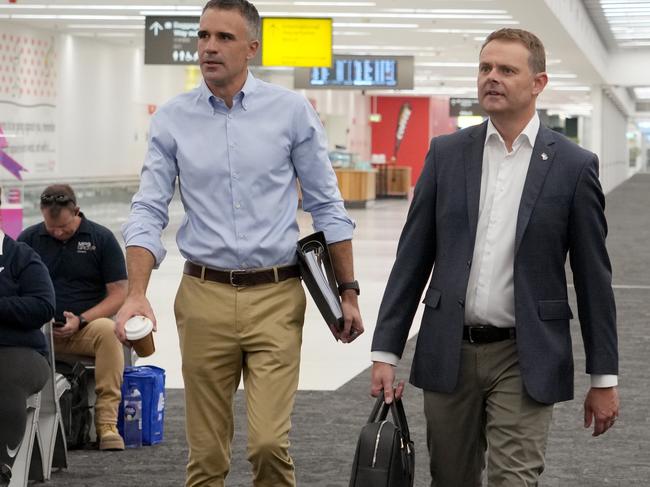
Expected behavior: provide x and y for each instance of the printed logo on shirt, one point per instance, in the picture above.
(85, 247)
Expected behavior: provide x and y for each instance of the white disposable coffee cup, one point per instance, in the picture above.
(139, 331)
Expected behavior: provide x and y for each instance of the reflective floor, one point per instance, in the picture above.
(326, 364)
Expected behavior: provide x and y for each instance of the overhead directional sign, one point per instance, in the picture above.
(171, 40)
(156, 28)
(293, 41)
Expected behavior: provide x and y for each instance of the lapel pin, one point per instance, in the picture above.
(544, 156)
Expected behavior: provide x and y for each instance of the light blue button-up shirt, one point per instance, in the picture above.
(237, 173)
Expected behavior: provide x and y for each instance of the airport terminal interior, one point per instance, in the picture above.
(81, 79)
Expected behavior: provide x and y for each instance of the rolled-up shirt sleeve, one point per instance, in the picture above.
(320, 192)
(149, 207)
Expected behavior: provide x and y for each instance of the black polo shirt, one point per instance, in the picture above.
(81, 266)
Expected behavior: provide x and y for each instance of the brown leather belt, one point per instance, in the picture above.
(487, 333)
(241, 278)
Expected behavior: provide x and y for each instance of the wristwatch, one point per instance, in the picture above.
(344, 286)
(82, 322)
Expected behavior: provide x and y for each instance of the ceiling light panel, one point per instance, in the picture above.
(335, 4)
(445, 11)
(450, 64)
(568, 88)
(457, 31)
(138, 26)
(169, 13)
(116, 34)
(368, 25)
(352, 47)
(19, 6)
(629, 22)
(74, 17)
(386, 15)
(351, 33)
(13, 6)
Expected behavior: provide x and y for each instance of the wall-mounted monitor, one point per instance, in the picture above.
(360, 72)
(297, 42)
(465, 107)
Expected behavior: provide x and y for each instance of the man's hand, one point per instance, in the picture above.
(601, 408)
(341, 253)
(71, 326)
(382, 378)
(133, 306)
(352, 324)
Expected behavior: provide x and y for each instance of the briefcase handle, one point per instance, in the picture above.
(380, 412)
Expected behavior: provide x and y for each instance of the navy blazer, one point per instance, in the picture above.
(561, 212)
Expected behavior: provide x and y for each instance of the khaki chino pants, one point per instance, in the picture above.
(488, 410)
(98, 340)
(225, 331)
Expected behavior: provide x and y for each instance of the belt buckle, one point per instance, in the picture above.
(233, 274)
(470, 335)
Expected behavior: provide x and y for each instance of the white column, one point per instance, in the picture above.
(596, 138)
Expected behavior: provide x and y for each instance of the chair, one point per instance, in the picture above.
(89, 364)
(50, 423)
(43, 445)
(24, 468)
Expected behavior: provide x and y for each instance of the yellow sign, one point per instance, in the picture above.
(192, 77)
(299, 42)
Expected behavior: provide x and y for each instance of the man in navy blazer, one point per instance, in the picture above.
(496, 211)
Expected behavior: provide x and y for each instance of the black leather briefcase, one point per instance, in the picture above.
(385, 455)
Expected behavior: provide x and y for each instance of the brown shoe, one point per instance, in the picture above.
(109, 438)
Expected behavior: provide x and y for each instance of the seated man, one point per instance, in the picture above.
(26, 303)
(88, 271)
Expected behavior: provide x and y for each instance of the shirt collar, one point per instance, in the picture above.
(243, 95)
(2, 241)
(529, 133)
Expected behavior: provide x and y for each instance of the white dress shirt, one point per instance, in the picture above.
(490, 292)
(490, 295)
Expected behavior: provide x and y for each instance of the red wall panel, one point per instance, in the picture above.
(415, 141)
(429, 118)
(441, 122)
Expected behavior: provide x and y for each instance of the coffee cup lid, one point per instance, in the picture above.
(138, 327)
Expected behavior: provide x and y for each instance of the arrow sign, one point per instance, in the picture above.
(169, 40)
(156, 27)
(6, 161)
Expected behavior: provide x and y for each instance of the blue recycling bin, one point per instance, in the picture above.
(150, 381)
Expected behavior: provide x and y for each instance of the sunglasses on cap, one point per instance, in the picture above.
(58, 199)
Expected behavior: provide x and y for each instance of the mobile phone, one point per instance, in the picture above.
(58, 324)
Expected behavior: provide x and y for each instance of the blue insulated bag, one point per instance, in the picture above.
(150, 381)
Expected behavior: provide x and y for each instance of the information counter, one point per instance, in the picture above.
(393, 181)
(357, 186)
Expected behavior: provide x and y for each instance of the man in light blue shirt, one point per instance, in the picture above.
(236, 145)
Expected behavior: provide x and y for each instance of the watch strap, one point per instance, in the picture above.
(83, 322)
(354, 285)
